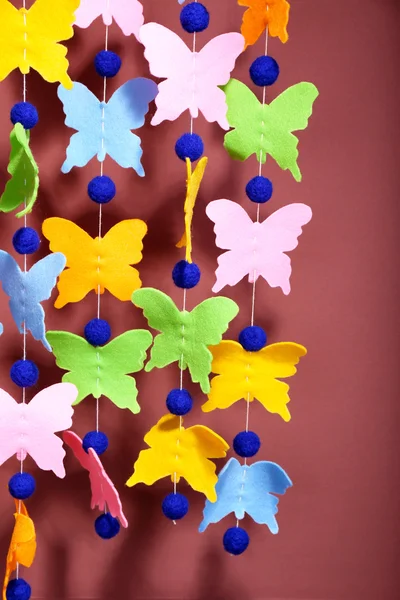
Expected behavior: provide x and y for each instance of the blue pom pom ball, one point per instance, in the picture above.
(24, 113)
(194, 17)
(253, 338)
(179, 402)
(96, 440)
(107, 63)
(246, 444)
(264, 71)
(236, 540)
(26, 240)
(175, 506)
(259, 189)
(186, 275)
(189, 145)
(97, 332)
(101, 189)
(21, 486)
(24, 373)
(107, 526)
(18, 589)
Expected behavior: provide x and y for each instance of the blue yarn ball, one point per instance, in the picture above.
(97, 332)
(186, 275)
(179, 402)
(236, 540)
(24, 113)
(107, 526)
(175, 506)
(189, 145)
(96, 440)
(101, 189)
(107, 63)
(246, 444)
(18, 589)
(26, 240)
(264, 71)
(259, 189)
(24, 373)
(194, 17)
(21, 486)
(253, 338)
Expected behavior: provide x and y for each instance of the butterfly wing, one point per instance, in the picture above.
(104, 492)
(128, 14)
(74, 442)
(11, 48)
(10, 422)
(261, 14)
(227, 494)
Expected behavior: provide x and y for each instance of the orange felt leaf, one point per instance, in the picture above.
(23, 543)
(261, 14)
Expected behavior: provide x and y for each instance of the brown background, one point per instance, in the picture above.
(339, 525)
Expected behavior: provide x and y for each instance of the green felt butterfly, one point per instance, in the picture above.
(267, 129)
(102, 370)
(185, 335)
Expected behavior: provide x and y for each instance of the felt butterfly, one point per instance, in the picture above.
(96, 264)
(30, 428)
(256, 249)
(192, 78)
(104, 494)
(22, 547)
(247, 489)
(128, 14)
(29, 38)
(102, 370)
(196, 444)
(268, 129)
(253, 375)
(261, 14)
(105, 127)
(28, 289)
(185, 336)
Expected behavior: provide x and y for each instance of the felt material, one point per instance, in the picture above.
(96, 440)
(253, 375)
(35, 45)
(24, 373)
(264, 71)
(259, 189)
(185, 336)
(256, 249)
(253, 338)
(128, 14)
(18, 589)
(247, 489)
(194, 17)
(107, 63)
(236, 540)
(175, 506)
(186, 275)
(96, 264)
(23, 186)
(179, 402)
(261, 14)
(196, 445)
(101, 189)
(24, 113)
(97, 332)
(268, 129)
(104, 128)
(192, 79)
(27, 290)
(246, 444)
(21, 486)
(102, 371)
(26, 240)
(104, 494)
(30, 428)
(189, 145)
(22, 547)
(106, 526)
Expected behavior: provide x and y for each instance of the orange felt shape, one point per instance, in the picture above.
(23, 543)
(261, 14)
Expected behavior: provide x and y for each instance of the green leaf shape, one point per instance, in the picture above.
(102, 370)
(24, 183)
(185, 336)
(267, 129)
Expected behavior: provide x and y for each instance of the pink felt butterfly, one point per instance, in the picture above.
(29, 428)
(192, 78)
(128, 14)
(104, 494)
(256, 248)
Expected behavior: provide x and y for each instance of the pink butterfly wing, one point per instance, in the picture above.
(128, 14)
(12, 427)
(88, 11)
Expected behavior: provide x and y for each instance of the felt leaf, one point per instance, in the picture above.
(96, 264)
(193, 182)
(185, 336)
(104, 128)
(22, 547)
(247, 489)
(29, 38)
(102, 370)
(104, 493)
(23, 186)
(268, 129)
(128, 14)
(256, 249)
(253, 375)
(180, 452)
(27, 290)
(192, 78)
(261, 14)
(30, 428)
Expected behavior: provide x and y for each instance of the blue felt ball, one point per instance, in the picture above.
(179, 402)
(101, 189)
(21, 486)
(107, 63)
(189, 145)
(175, 506)
(186, 275)
(194, 17)
(107, 526)
(96, 440)
(24, 373)
(246, 444)
(264, 71)
(236, 540)
(253, 338)
(24, 113)
(259, 189)
(97, 332)
(18, 589)
(26, 240)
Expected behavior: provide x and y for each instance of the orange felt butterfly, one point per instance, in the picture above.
(261, 14)
(23, 543)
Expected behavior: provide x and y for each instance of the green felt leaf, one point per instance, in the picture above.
(185, 336)
(24, 183)
(102, 370)
(267, 129)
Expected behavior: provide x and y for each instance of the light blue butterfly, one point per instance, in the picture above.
(247, 489)
(105, 127)
(27, 290)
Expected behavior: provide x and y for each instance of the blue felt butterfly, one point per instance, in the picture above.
(247, 489)
(105, 127)
(27, 290)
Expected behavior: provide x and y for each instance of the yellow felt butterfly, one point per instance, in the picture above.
(29, 38)
(251, 375)
(96, 264)
(22, 548)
